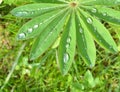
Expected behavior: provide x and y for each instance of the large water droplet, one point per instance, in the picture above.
(21, 36)
(21, 13)
(89, 20)
(68, 40)
(94, 10)
(30, 30)
(35, 26)
(66, 58)
(80, 30)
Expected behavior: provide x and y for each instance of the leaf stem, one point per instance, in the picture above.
(14, 65)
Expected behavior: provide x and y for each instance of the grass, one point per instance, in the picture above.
(19, 74)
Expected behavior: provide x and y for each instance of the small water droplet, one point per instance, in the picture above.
(94, 10)
(68, 40)
(30, 30)
(104, 14)
(80, 30)
(67, 45)
(89, 20)
(40, 23)
(21, 35)
(66, 58)
(35, 26)
(91, 66)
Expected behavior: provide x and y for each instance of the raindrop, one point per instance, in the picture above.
(104, 14)
(80, 30)
(89, 20)
(35, 26)
(66, 58)
(40, 23)
(111, 47)
(30, 30)
(21, 36)
(68, 40)
(91, 66)
(20, 13)
(67, 45)
(94, 10)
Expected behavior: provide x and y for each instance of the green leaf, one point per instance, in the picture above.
(85, 42)
(33, 10)
(89, 78)
(51, 1)
(99, 32)
(67, 45)
(101, 2)
(104, 13)
(48, 36)
(34, 27)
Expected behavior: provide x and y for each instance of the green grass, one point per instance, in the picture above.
(43, 74)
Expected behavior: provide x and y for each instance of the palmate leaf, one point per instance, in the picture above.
(101, 2)
(33, 10)
(104, 13)
(49, 35)
(99, 32)
(51, 1)
(85, 42)
(37, 25)
(78, 23)
(67, 46)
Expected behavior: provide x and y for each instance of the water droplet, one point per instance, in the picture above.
(40, 23)
(91, 65)
(21, 36)
(68, 40)
(30, 30)
(21, 13)
(94, 10)
(66, 58)
(80, 30)
(35, 26)
(111, 47)
(89, 20)
(67, 45)
(104, 14)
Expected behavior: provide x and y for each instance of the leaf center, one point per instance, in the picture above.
(73, 4)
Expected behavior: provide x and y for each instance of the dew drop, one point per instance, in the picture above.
(40, 23)
(21, 36)
(104, 14)
(68, 40)
(21, 13)
(91, 66)
(35, 26)
(67, 45)
(30, 30)
(89, 20)
(80, 30)
(94, 10)
(66, 58)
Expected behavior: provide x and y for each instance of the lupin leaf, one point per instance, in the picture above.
(48, 36)
(99, 32)
(66, 50)
(51, 1)
(101, 2)
(33, 10)
(104, 13)
(34, 27)
(85, 43)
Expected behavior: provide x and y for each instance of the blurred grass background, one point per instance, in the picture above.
(42, 74)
